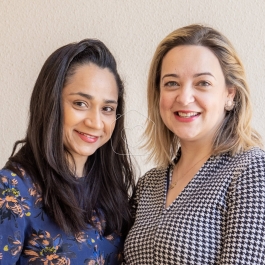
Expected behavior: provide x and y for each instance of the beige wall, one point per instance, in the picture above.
(32, 29)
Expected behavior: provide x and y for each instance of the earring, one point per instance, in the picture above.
(229, 105)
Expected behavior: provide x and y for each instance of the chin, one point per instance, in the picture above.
(86, 153)
(187, 137)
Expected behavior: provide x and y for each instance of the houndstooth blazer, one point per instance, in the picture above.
(219, 218)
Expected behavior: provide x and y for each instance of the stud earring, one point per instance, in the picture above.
(229, 105)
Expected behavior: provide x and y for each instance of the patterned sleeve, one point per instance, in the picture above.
(14, 208)
(244, 234)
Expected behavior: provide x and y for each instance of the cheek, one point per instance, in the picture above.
(165, 103)
(110, 126)
(67, 116)
(73, 117)
(65, 137)
(69, 121)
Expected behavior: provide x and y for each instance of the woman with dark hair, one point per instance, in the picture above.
(205, 202)
(64, 193)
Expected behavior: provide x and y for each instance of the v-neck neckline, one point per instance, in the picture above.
(169, 176)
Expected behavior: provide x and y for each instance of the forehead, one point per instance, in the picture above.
(191, 58)
(92, 79)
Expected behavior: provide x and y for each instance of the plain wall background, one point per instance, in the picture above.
(32, 30)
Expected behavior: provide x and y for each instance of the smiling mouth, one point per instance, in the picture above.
(187, 114)
(88, 135)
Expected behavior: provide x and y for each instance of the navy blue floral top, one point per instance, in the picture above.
(29, 236)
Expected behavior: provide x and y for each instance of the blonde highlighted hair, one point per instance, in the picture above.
(235, 134)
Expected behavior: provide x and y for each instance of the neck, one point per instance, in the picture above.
(77, 167)
(79, 172)
(192, 152)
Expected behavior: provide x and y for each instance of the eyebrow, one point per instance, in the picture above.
(87, 96)
(196, 75)
(205, 73)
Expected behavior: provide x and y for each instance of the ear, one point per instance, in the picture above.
(231, 92)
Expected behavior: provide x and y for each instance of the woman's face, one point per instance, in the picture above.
(193, 93)
(90, 100)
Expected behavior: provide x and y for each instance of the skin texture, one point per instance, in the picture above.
(192, 82)
(90, 101)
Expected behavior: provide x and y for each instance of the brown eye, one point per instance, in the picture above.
(80, 104)
(108, 109)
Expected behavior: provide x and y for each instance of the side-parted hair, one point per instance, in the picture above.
(109, 176)
(235, 133)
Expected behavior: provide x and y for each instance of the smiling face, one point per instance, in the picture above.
(90, 100)
(193, 93)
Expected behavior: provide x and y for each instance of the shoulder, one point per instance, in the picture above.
(150, 184)
(248, 171)
(16, 198)
(153, 177)
(252, 158)
(16, 189)
(253, 153)
(7, 173)
(251, 162)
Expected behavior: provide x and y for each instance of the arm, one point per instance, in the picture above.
(244, 231)
(14, 209)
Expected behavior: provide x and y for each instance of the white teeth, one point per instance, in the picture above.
(187, 114)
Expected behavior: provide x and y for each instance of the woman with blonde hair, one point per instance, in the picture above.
(205, 202)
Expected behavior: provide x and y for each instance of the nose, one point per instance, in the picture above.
(94, 119)
(185, 95)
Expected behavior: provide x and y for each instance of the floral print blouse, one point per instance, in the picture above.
(29, 236)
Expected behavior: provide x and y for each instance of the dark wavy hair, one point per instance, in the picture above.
(109, 175)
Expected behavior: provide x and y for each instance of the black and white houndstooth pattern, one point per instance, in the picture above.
(219, 218)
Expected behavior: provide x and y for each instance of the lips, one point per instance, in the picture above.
(88, 138)
(87, 135)
(187, 114)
